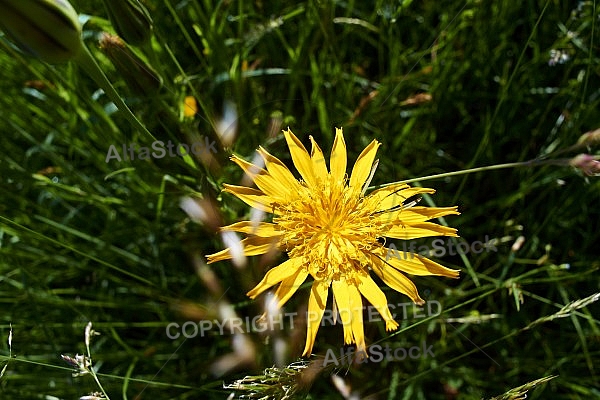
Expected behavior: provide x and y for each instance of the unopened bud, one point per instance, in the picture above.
(586, 163)
(130, 19)
(590, 138)
(141, 79)
(47, 29)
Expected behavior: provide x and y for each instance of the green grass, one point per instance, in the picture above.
(82, 239)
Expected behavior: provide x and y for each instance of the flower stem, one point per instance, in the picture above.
(528, 163)
(86, 61)
(93, 373)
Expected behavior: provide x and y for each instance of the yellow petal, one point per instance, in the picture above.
(423, 229)
(416, 264)
(252, 197)
(275, 275)
(316, 308)
(396, 280)
(434, 212)
(278, 170)
(369, 289)
(253, 246)
(289, 285)
(379, 195)
(337, 162)
(301, 158)
(422, 214)
(318, 161)
(395, 198)
(265, 182)
(414, 215)
(362, 167)
(350, 307)
(357, 319)
(342, 300)
(262, 229)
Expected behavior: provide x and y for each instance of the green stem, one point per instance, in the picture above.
(86, 61)
(93, 373)
(529, 163)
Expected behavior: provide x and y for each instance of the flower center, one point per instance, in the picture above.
(330, 228)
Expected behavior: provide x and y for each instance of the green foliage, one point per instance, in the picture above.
(445, 86)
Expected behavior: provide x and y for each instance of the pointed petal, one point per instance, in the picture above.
(253, 246)
(415, 264)
(423, 229)
(357, 319)
(369, 289)
(289, 286)
(414, 215)
(420, 214)
(318, 161)
(262, 229)
(276, 275)
(350, 307)
(301, 158)
(395, 198)
(265, 182)
(252, 197)
(434, 212)
(316, 308)
(362, 167)
(396, 280)
(342, 300)
(377, 196)
(278, 170)
(337, 162)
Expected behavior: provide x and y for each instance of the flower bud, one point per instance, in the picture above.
(141, 79)
(587, 163)
(47, 29)
(130, 19)
(590, 138)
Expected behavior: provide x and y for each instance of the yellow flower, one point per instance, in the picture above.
(330, 230)
(190, 107)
